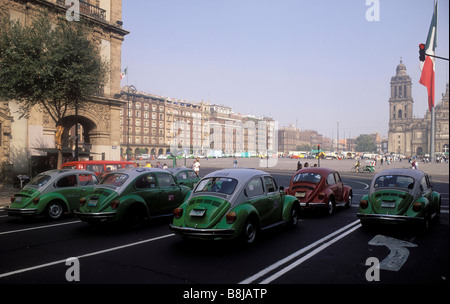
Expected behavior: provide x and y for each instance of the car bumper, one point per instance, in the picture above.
(95, 216)
(313, 205)
(20, 212)
(388, 219)
(202, 233)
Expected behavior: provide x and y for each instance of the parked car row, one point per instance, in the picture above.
(233, 203)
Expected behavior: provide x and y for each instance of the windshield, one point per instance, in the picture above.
(114, 179)
(307, 177)
(394, 181)
(39, 180)
(217, 184)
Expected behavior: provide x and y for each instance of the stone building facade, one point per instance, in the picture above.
(28, 143)
(409, 135)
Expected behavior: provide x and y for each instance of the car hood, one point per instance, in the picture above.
(390, 202)
(205, 211)
(304, 191)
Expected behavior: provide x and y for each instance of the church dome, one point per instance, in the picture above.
(401, 69)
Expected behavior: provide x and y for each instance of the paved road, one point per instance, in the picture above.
(322, 249)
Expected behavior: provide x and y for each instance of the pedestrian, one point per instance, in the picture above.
(235, 163)
(299, 165)
(158, 165)
(196, 166)
(148, 165)
(165, 166)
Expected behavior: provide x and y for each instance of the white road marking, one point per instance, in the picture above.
(299, 252)
(398, 255)
(39, 227)
(2, 275)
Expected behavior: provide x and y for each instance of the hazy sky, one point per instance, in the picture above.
(310, 63)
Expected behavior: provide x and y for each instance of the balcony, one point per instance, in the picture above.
(87, 9)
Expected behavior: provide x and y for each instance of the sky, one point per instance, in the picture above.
(320, 65)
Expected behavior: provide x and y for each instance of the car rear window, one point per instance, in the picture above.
(307, 177)
(394, 181)
(217, 184)
(39, 180)
(114, 179)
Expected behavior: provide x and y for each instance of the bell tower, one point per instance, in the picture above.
(400, 111)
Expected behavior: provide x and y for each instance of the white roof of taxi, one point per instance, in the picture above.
(416, 174)
(240, 174)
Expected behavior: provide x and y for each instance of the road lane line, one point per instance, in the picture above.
(39, 227)
(6, 274)
(306, 257)
(296, 254)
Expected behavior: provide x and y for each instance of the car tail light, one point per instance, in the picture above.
(82, 201)
(321, 196)
(13, 198)
(36, 200)
(115, 204)
(363, 204)
(178, 212)
(417, 207)
(231, 217)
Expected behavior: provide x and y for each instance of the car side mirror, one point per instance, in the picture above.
(281, 188)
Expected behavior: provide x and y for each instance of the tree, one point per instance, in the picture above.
(365, 143)
(52, 64)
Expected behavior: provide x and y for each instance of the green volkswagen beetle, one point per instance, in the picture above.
(400, 196)
(131, 196)
(234, 203)
(52, 193)
(184, 176)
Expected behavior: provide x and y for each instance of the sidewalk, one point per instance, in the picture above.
(437, 170)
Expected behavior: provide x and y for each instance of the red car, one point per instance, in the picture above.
(317, 187)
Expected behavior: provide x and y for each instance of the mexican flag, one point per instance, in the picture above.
(427, 77)
(123, 74)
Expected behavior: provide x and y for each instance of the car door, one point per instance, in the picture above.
(331, 184)
(427, 192)
(274, 199)
(257, 197)
(170, 193)
(339, 190)
(146, 187)
(86, 184)
(68, 187)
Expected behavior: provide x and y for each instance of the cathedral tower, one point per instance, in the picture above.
(400, 112)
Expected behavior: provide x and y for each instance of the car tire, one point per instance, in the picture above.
(295, 215)
(331, 206)
(350, 200)
(250, 232)
(54, 210)
(134, 217)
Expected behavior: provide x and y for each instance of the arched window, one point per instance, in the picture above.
(400, 114)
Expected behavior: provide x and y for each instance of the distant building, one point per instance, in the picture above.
(410, 135)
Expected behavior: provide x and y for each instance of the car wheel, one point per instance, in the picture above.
(250, 231)
(331, 206)
(54, 210)
(350, 200)
(294, 217)
(134, 217)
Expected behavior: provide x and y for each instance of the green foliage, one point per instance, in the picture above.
(365, 143)
(51, 63)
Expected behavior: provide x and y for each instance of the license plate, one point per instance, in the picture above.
(300, 194)
(18, 199)
(92, 203)
(197, 212)
(388, 204)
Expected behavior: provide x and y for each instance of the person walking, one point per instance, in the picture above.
(196, 166)
(235, 163)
